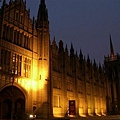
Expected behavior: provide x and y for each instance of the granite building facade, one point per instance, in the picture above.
(40, 77)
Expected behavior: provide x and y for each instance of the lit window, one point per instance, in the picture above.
(56, 101)
(27, 67)
(16, 64)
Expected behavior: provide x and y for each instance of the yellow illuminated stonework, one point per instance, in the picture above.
(44, 75)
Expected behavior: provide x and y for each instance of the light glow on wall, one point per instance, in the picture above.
(96, 112)
(81, 112)
(57, 112)
(35, 83)
(31, 84)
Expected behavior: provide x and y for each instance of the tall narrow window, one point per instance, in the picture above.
(56, 101)
(7, 32)
(28, 42)
(69, 86)
(11, 34)
(16, 64)
(16, 16)
(3, 59)
(25, 41)
(19, 64)
(21, 19)
(13, 63)
(27, 67)
(18, 37)
(15, 36)
(8, 61)
(4, 31)
(22, 39)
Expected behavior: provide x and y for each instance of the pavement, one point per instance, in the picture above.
(111, 117)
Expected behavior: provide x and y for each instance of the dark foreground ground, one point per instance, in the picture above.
(113, 117)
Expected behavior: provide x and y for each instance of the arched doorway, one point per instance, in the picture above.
(12, 103)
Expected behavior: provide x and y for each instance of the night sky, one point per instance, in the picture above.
(84, 23)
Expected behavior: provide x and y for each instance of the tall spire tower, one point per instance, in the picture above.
(42, 27)
(112, 56)
(42, 17)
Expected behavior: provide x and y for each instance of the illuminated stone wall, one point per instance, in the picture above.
(75, 78)
(24, 56)
(48, 75)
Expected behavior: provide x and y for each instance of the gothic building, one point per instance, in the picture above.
(39, 77)
(112, 69)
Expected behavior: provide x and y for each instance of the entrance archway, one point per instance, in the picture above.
(12, 103)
